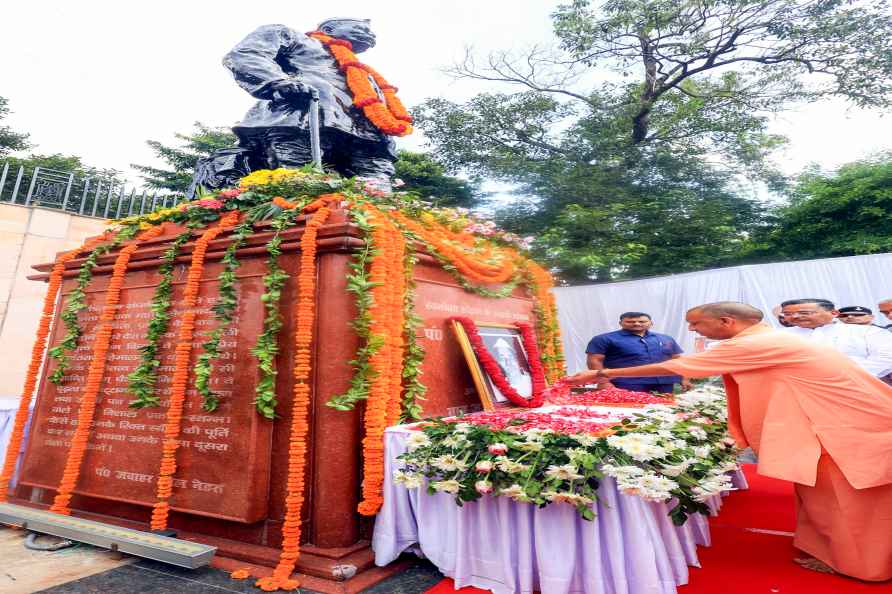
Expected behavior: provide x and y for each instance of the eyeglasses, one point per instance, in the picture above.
(796, 314)
(853, 315)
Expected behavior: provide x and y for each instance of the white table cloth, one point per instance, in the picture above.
(498, 544)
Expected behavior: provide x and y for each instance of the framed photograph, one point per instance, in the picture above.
(505, 345)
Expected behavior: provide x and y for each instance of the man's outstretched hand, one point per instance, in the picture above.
(585, 377)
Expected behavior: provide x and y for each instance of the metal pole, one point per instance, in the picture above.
(3, 178)
(120, 202)
(18, 182)
(96, 197)
(84, 196)
(164, 202)
(31, 187)
(154, 201)
(68, 190)
(108, 197)
(142, 203)
(315, 144)
(130, 202)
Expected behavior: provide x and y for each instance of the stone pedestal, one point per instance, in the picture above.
(230, 488)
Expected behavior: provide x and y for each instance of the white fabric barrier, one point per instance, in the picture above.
(587, 310)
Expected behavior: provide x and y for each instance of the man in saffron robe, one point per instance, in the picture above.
(814, 417)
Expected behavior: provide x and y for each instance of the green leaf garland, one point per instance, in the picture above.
(77, 301)
(359, 284)
(143, 378)
(223, 312)
(413, 357)
(267, 345)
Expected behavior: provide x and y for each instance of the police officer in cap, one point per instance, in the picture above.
(857, 314)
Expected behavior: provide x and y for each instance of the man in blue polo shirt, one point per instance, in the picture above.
(635, 345)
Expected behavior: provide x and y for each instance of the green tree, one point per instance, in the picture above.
(846, 213)
(181, 159)
(10, 140)
(686, 66)
(423, 175)
(628, 138)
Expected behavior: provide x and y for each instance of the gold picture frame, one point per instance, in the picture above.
(501, 340)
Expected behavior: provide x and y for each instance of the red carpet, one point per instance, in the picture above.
(741, 561)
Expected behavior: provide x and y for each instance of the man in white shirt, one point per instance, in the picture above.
(816, 320)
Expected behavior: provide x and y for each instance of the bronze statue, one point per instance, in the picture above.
(286, 71)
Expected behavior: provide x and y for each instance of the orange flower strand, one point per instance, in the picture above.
(297, 452)
(389, 116)
(386, 312)
(180, 377)
(37, 351)
(480, 272)
(284, 204)
(95, 373)
(442, 238)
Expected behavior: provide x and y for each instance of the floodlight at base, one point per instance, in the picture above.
(182, 553)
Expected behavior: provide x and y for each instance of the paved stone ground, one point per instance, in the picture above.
(150, 577)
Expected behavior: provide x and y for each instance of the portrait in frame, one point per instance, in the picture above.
(505, 344)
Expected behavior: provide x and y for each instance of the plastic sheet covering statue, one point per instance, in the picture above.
(282, 67)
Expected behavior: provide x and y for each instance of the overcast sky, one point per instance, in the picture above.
(98, 79)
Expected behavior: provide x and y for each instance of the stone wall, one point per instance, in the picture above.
(29, 236)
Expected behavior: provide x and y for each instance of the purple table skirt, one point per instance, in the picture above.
(497, 544)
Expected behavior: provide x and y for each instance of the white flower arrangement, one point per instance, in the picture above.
(678, 452)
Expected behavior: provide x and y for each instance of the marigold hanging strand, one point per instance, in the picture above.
(37, 350)
(95, 372)
(180, 376)
(297, 453)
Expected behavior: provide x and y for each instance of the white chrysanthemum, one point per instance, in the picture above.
(639, 447)
(702, 451)
(416, 440)
(698, 432)
(515, 492)
(529, 446)
(510, 466)
(450, 486)
(677, 469)
(449, 463)
(454, 441)
(574, 454)
(584, 439)
(410, 480)
(462, 427)
(565, 472)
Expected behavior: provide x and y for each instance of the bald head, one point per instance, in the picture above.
(885, 306)
(730, 309)
(722, 320)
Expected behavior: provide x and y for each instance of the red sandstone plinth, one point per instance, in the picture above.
(231, 484)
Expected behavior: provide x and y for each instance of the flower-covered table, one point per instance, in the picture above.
(630, 545)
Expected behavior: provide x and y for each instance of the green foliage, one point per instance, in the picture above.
(227, 301)
(143, 378)
(841, 214)
(422, 175)
(10, 140)
(413, 355)
(359, 284)
(77, 302)
(267, 346)
(628, 140)
(181, 160)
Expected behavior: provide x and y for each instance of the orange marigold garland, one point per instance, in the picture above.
(383, 403)
(546, 324)
(469, 266)
(297, 453)
(180, 375)
(94, 375)
(389, 116)
(37, 351)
